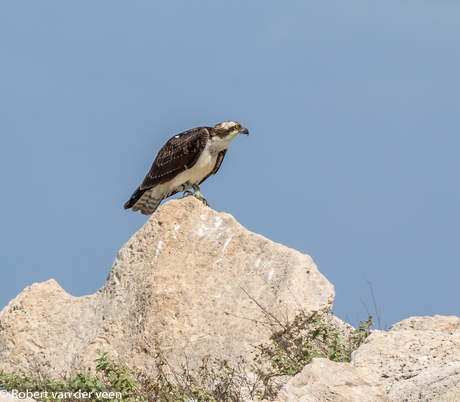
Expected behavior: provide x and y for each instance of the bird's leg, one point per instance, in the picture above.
(184, 187)
(198, 194)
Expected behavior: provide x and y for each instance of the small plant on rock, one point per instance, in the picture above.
(316, 337)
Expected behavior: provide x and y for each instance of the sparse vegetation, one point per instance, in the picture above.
(112, 381)
(317, 336)
(291, 349)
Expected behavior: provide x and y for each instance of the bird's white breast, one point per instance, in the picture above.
(204, 165)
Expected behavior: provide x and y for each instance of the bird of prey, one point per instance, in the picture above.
(183, 163)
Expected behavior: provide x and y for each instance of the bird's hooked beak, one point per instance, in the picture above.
(243, 130)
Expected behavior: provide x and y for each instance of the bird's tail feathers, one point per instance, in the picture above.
(138, 193)
(151, 206)
(148, 203)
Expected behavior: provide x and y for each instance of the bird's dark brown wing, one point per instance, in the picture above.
(180, 153)
(219, 160)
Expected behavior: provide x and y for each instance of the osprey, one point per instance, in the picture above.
(183, 163)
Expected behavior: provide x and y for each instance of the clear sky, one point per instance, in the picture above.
(353, 155)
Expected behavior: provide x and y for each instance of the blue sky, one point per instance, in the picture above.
(353, 153)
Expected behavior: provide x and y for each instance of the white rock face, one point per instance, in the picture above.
(325, 380)
(184, 285)
(192, 282)
(418, 360)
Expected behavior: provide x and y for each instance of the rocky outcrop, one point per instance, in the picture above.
(191, 282)
(417, 360)
(325, 380)
(194, 283)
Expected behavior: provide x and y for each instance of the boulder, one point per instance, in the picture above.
(417, 360)
(190, 283)
(193, 285)
(325, 380)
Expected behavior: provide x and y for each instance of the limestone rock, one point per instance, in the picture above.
(191, 282)
(417, 360)
(324, 380)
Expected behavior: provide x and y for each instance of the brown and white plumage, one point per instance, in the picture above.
(183, 163)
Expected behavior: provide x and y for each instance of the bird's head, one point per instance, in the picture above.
(230, 128)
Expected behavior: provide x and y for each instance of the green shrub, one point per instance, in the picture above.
(112, 381)
(299, 342)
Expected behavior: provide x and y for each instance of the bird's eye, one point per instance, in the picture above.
(238, 126)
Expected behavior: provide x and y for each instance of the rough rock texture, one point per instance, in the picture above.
(184, 285)
(193, 282)
(417, 360)
(324, 380)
